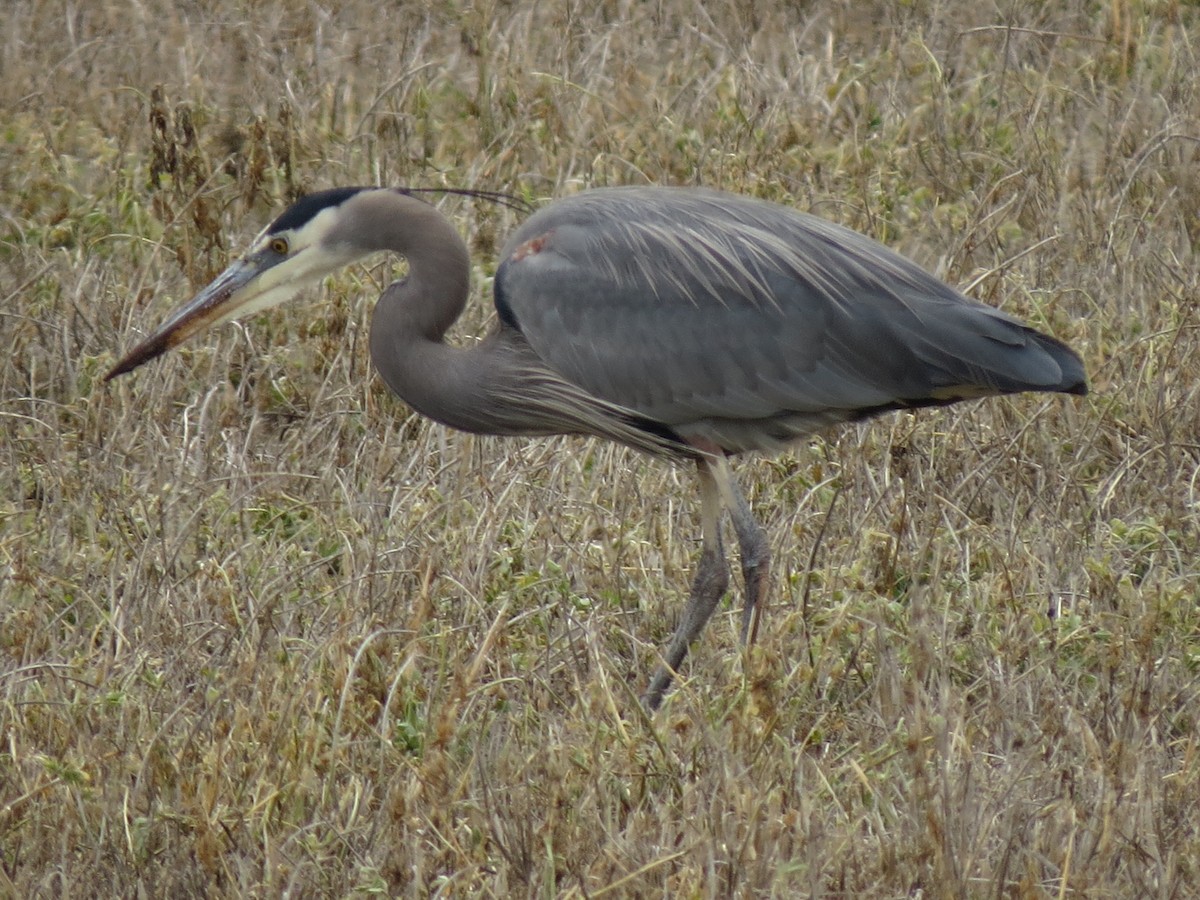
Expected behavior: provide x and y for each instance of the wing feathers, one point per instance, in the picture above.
(687, 306)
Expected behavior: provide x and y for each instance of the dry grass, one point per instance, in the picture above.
(262, 631)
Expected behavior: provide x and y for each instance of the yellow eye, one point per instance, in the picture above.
(280, 246)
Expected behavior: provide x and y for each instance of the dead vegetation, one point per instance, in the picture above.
(264, 632)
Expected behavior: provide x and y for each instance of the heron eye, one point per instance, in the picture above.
(280, 246)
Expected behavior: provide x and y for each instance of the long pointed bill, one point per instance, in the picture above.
(225, 298)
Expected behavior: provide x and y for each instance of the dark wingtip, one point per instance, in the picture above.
(1070, 364)
(1074, 377)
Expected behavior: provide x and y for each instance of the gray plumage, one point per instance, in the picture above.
(682, 322)
(750, 325)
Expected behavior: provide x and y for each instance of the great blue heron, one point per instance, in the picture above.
(686, 323)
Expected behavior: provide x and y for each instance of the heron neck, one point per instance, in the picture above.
(427, 302)
(412, 316)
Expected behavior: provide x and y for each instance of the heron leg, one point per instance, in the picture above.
(708, 586)
(753, 547)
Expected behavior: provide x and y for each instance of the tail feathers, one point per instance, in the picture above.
(1073, 378)
(981, 351)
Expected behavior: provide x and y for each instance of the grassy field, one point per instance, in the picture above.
(265, 632)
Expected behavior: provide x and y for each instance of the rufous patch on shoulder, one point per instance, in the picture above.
(530, 247)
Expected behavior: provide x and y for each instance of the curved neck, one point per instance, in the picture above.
(413, 315)
(435, 291)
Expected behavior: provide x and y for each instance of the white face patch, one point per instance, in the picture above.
(276, 267)
(311, 234)
(309, 259)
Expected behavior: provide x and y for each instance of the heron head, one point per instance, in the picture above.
(307, 242)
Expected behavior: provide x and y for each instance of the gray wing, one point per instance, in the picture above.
(748, 322)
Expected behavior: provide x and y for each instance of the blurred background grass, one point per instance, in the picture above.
(263, 631)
